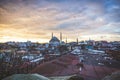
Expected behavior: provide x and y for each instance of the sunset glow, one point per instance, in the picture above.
(35, 20)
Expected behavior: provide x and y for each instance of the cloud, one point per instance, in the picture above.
(36, 19)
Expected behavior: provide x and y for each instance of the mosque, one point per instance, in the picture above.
(54, 41)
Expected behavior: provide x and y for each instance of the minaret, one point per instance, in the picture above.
(66, 40)
(77, 40)
(89, 39)
(52, 34)
(60, 37)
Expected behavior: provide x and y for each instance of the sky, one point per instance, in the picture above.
(35, 20)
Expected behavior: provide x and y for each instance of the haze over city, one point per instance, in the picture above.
(35, 20)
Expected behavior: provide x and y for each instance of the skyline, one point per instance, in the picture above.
(35, 20)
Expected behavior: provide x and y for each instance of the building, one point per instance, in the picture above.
(54, 41)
